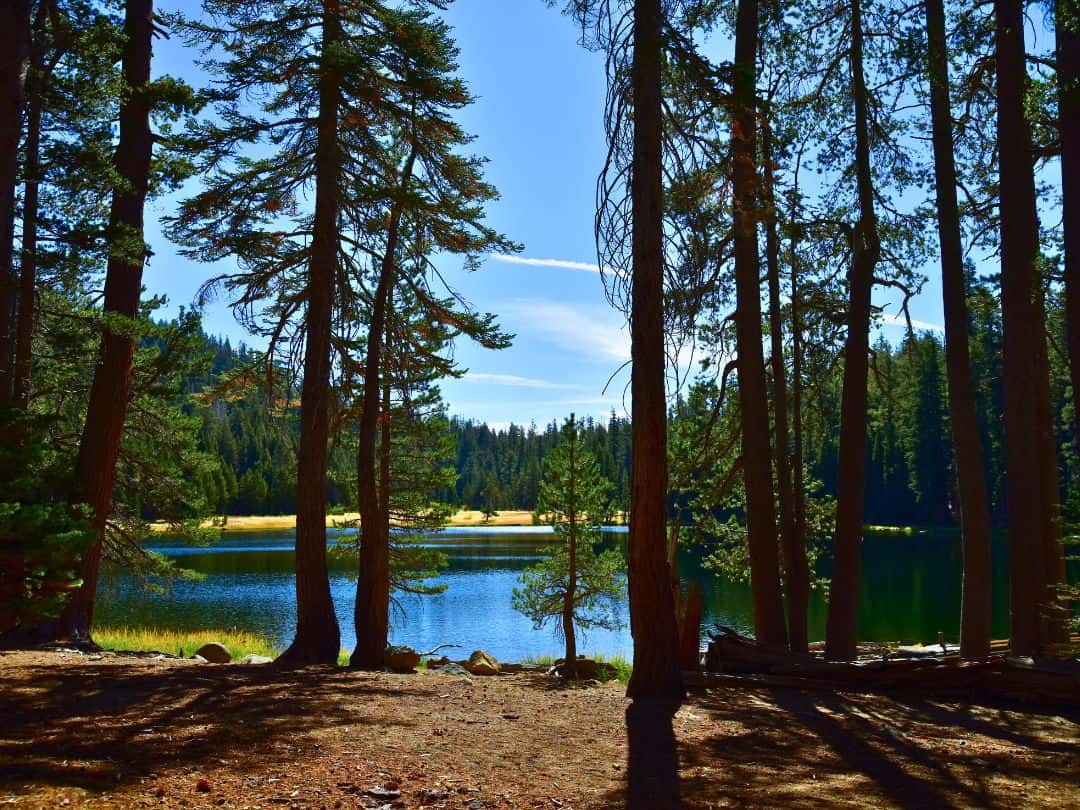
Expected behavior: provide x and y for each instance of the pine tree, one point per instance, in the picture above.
(430, 199)
(974, 502)
(15, 50)
(1030, 464)
(1067, 34)
(769, 626)
(575, 587)
(317, 69)
(99, 448)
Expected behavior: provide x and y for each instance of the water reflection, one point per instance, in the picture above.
(911, 590)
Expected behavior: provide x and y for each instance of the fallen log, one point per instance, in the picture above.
(731, 656)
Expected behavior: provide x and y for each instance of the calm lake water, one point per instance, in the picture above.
(911, 590)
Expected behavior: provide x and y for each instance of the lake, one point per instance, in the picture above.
(911, 590)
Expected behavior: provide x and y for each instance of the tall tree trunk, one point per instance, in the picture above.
(1068, 73)
(1053, 612)
(24, 329)
(14, 57)
(797, 456)
(974, 501)
(656, 675)
(372, 612)
(1019, 288)
(386, 437)
(687, 605)
(318, 638)
(1068, 67)
(570, 594)
(99, 449)
(753, 397)
(842, 625)
(796, 570)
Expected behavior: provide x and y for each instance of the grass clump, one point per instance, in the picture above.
(623, 668)
(906, 531)
(182, 643)
(539, 660)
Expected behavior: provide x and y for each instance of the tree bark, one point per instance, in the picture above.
(24, 329)
(99, 449)
(570, 668)
(318, 638)
(14, 56)
(753, 397)
(796, 570)
(842, 625)
(1068, 71)
(974, 501)
(656, 674)
(386, 437)
(372, 611)
(1053, 611)
(1019, 288)
(797, 457)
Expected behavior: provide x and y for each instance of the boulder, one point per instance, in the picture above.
(401, 658)
(452, 669)
(215, 653)
(256, 659)
(198, 659)
(482, 663)
(435, 663)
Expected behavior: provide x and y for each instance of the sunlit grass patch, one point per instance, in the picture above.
(183, 643)
(906, 531)
(623, 668)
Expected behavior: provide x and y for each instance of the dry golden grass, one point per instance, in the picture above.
(273, 522)
(182, 642)
(466, 517)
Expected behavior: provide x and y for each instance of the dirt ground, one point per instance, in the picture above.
(116, 731)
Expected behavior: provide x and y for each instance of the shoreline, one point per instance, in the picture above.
(464, 517)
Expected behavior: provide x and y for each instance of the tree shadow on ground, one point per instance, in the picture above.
(651, 779)
(652, 771)
(91, 726)
(783, 747)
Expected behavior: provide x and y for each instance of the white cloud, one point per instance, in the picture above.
(543, 411)
(530, 262)
(514, 381)
(899, 320)
(576, 330)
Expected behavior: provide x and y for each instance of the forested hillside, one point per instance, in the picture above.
(911, 478)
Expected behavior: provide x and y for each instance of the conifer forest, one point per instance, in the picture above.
(765, 493)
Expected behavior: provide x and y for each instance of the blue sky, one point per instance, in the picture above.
(538, 120)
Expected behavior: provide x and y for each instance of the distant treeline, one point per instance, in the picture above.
(256, 445)
(911, 476)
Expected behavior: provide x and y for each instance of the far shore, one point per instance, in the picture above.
(465, 517)
(521, 517)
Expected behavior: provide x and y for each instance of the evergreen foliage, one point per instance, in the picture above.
(910, 474)
(575, 584)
